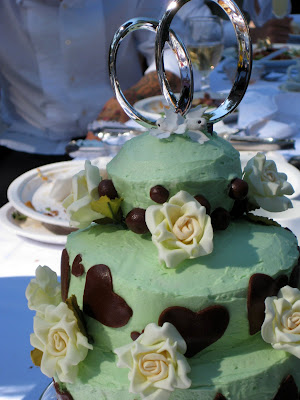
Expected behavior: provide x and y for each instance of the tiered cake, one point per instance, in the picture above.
(172, 288)
(205, 275)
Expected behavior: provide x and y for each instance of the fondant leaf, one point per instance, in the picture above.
(73, 306)
(36, 357)
(108, 207)
(261, 220)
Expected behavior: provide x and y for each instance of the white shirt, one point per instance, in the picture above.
(53, 65)
(265, 13)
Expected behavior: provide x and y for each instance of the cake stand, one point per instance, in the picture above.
(49, 393)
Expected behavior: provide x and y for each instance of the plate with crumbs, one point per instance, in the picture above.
(24, 226)
(153, 107)
(35, 193)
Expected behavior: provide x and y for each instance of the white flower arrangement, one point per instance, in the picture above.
(63, 346)
(267, 186)
(84, 191)
(193, 125)
(180, 229)
(281, 327)
(59, 344)
(44, 289)
(156, 362)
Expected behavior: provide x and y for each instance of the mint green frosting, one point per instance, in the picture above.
(253, 371)
(238, 365)
(177, 163)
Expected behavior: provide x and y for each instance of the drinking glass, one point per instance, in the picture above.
(204, 42)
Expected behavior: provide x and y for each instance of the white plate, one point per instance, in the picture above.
(31, 228)
(153, 107)
(292, 172)
(31, 187)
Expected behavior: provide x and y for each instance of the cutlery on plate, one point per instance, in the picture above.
(254, 143)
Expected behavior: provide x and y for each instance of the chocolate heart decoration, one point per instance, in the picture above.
(219, 396)
(288, 390)
(260, 287)
(198, 329)
(65, 274)
(77, 267)
(65, 395)
(99, 300)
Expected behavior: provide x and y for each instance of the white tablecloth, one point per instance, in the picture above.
(19, 257)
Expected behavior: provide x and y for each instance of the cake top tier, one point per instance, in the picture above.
(176, 163)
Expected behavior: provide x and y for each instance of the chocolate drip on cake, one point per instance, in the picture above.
(219, 396)
(62, 395)
(288, 390)
(65, 274)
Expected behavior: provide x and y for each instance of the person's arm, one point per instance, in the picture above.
(147, 86)
(277, 30)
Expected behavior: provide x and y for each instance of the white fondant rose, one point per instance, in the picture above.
(267, 186)
(281, 327)
(44, 289)
(84, 191)
(180, 229)
(57, 336)
(156, 362)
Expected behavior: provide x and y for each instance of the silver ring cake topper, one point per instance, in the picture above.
(165, 34)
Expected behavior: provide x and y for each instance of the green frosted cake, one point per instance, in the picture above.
(172, 288)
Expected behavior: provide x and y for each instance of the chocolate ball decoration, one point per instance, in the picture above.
(107, 188)
(204, 202)
(238, 189)
(220, 219)
(135, 220)
(159, 194)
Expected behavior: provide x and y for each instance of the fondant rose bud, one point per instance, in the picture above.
(156, 362)
(180, 229)
(267, 186)
(44, 289)
(59, 341)
(84, 192)
(281, 326)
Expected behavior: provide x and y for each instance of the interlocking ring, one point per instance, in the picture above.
(243, 68)
(176, 45)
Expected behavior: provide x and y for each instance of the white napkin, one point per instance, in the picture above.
(276, 129)
(255, 109)
(269, 114)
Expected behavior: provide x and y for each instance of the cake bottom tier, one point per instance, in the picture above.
(253, 371)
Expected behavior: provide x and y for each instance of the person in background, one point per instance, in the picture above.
(265, 23)
(262, 22)
(54, 76)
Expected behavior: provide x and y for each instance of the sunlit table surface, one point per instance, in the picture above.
(19, 257)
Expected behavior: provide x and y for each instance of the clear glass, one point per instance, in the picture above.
(204, 42)
(49, 393)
